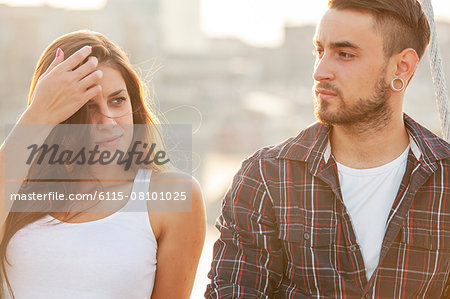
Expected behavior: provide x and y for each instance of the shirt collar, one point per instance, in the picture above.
(414, 148)
(312, 146)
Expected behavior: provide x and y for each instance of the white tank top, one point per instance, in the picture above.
(113, 257)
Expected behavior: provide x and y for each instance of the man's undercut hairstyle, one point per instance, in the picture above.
(402, 23)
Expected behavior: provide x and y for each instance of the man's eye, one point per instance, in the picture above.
(318, 52)
(346, 55)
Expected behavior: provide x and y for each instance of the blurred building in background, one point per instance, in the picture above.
(237, 97)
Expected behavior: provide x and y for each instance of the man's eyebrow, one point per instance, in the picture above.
(316, 43)
(340, 44)
(343, 44)
(116, 93)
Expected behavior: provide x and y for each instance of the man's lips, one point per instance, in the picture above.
(113, 140)
(325, 93)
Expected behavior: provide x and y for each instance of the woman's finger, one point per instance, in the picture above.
(86, 68)
(91, 79)
(75, 59)
(59, 57)
(92, 92)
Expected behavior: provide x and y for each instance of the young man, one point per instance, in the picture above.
(356, 205)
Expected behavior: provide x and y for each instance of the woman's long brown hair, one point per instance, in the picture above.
(106, 53)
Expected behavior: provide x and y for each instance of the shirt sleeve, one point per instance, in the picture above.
(446, 293)
(247, 260)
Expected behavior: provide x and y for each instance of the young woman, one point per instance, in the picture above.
(99, 249)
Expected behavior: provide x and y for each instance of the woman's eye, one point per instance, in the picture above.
(119, 100)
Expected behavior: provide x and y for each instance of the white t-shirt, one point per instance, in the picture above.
(368, 195)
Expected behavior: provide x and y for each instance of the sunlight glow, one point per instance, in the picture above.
(258, 22)
(67, 4)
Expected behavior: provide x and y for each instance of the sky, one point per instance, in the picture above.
(258, 22)
(261, 22)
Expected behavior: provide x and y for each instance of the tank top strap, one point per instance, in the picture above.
(139, 190)
(142, 180)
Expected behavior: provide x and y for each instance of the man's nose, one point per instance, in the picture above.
(323, 69)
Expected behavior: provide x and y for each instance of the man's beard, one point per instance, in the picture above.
(367, 113)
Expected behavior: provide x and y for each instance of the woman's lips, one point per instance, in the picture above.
(110, 141)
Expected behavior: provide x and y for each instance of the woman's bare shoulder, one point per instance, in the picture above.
(171, 175)
(175, 181)
(176, 203)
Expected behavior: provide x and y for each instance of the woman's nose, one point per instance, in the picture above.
(104, 117)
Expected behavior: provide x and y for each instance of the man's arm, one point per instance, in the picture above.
(446, 293)
(247, 260)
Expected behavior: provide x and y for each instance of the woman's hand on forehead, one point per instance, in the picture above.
(64, 88)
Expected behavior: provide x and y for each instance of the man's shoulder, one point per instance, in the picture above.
(431, 145)
(296, 147)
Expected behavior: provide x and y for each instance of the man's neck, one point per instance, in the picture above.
(371, 147)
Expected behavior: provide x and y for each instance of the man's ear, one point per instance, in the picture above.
(407, 61)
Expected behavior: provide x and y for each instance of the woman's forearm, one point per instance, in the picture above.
(14, 155)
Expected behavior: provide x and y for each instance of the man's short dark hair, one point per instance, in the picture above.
(402, 23)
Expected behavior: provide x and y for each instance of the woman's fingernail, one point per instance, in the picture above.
(58, 52)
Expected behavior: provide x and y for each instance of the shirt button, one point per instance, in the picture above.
(306, 236)
(353, 248)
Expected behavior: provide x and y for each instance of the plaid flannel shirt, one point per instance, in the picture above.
(285, 231)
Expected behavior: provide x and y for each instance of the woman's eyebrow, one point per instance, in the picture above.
(116, 92)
